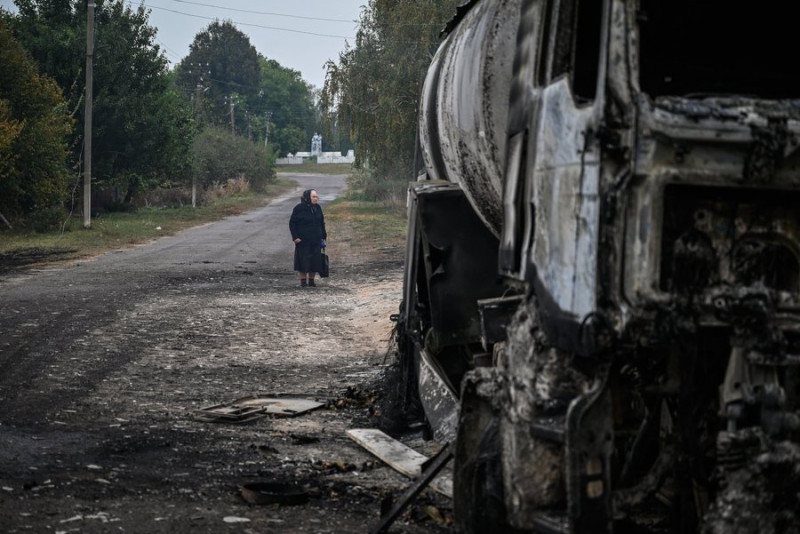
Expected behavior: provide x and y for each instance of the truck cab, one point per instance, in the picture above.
(603, 272)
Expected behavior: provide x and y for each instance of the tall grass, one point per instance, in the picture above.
(374, 225)
(364, 184)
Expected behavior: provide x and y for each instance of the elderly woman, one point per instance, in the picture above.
(307, 225)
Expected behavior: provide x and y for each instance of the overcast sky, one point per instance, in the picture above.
(299, 34)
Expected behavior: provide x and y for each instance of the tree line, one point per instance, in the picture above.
(225, 111)
(154, 127)
(373, 89)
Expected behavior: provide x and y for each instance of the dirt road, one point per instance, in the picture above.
(104, 364)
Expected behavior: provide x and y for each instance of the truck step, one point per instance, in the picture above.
(551, 522)
(551, 428)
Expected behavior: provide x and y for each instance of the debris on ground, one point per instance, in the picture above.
(251, 408)
(400, 457)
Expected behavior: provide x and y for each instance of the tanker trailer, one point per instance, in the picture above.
(601, 307)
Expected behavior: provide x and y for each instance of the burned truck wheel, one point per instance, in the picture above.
(478, 500)
(404, 406)
(540, 385)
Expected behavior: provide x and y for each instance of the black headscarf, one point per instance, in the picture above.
(306, 198)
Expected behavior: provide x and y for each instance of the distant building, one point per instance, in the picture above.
(322, 158)
(336, 157)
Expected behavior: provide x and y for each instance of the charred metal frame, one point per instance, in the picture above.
(449, 253)
(651, 246)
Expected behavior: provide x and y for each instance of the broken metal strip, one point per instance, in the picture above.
(436, 463)
(438, 399)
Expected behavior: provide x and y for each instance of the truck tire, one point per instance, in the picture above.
(478, 495)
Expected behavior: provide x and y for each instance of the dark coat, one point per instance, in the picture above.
(308, 223)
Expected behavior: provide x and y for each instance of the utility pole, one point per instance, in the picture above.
(201, 71)
(268, 116)
(198, 94)
(87, 118)
(233, 124)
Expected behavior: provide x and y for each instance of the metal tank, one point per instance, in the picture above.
(464, 106)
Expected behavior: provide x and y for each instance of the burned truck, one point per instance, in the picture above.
(601, 307)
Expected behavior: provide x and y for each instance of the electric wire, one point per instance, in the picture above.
(262, 12)
(250, 24)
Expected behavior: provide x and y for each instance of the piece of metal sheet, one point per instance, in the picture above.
(247, 409)
(439, 401)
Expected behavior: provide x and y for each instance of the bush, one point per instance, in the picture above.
(220, 157)
(118, 206)
(238, 186)
(45, 220)
(230, 188)
(34, 126)
(363, 184)
(168, 197)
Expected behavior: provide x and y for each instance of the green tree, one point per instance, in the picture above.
(374, 88)
(34, 125)
(289, 101)
(55, 35)
(9, 131)
(141, 133)
(290, 139)
(221, 69)
(220, 156)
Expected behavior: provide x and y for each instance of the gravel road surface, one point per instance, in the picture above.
(106, 362)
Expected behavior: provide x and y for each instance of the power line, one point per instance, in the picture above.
(247, 23)
(262, 12)
(168, 50)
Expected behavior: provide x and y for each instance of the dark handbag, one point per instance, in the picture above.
(324, 267)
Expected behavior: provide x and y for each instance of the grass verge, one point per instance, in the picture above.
(361, 231)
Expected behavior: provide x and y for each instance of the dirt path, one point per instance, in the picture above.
(105, 365)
